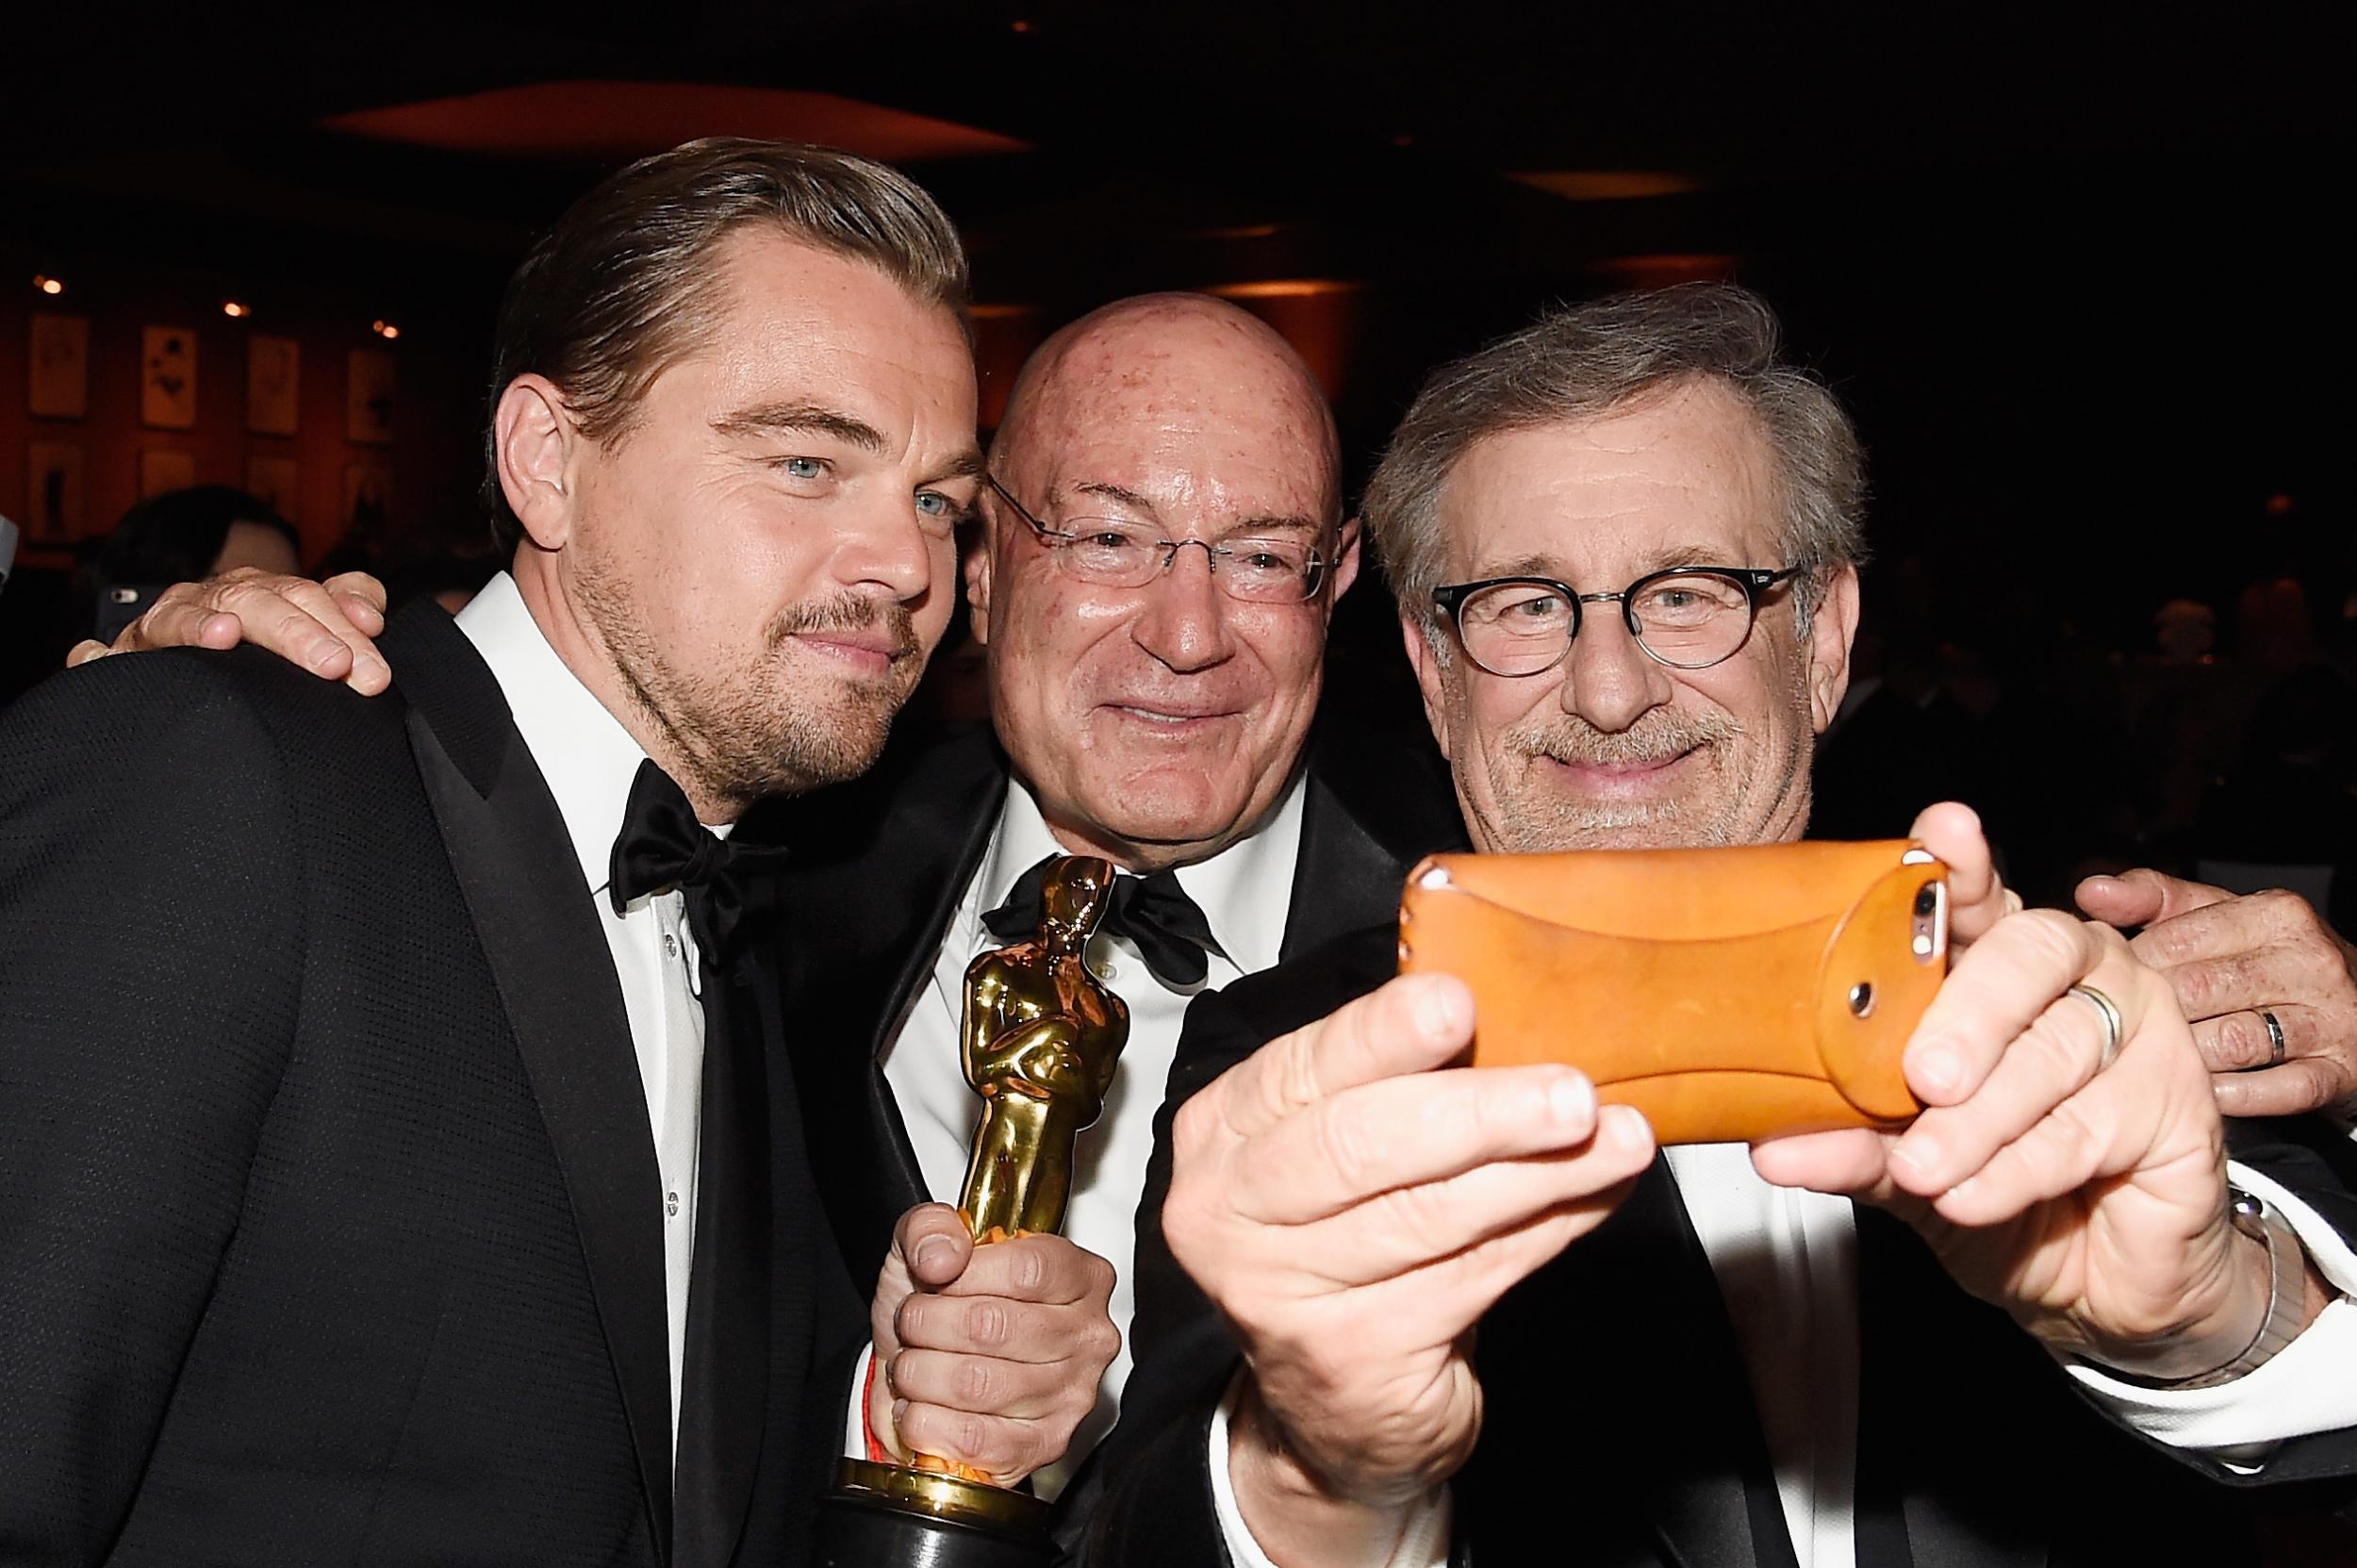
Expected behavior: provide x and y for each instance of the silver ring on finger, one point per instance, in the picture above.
(2275, 1039)
(2112, 1028)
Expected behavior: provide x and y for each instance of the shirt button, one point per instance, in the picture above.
(671, 1204)
(670, 945)
(1110, 970)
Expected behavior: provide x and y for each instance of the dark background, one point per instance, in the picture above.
(2071, 268)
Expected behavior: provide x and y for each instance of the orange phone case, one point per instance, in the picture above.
(1730, 995)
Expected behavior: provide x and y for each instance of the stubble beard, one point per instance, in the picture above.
(1714, 811)
(756, 730)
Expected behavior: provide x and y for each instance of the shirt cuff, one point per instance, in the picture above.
(2308, 1386)
(1423, 1543)
(855, 1443)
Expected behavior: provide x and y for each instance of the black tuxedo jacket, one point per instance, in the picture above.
(1619, 1430)
(875, 875)
(330, 1223)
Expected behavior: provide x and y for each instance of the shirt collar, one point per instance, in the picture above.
(1245, 907)
(581, 748)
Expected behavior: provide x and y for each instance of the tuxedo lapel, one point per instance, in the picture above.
(1349, 871)
(532, 915)
(877, 871)
(725, 1383)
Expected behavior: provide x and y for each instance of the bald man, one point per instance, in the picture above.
(1162, 545)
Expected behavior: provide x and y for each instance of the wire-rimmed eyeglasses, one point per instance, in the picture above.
(1687, 617)
(1118, 553)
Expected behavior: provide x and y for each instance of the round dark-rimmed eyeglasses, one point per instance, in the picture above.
(1118, 553)
(1687, 617)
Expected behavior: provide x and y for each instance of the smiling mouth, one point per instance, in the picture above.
(1623, 776)
(1163, 717)
(862, 653)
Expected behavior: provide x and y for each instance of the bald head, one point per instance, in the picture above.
(1157, 724)
(1164, 360)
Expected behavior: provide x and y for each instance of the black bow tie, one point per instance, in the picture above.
(1154, 911)
(662, 846)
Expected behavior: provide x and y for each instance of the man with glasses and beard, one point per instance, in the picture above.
(1406, 1314)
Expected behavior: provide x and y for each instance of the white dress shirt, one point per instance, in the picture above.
(1786, 1266)
(589, 761)
(1245, 892)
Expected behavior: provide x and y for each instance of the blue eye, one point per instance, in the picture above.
(934, 505)
(804, 467)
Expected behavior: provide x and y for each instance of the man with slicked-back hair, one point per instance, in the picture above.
(399, 1161)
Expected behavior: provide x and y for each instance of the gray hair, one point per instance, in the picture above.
(1586, 361)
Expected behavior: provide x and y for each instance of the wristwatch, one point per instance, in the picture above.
(2287, 1292)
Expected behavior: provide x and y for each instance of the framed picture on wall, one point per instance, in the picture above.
(60, 381)
(369, 406)
(53, 501)
(272, 480)
(273, 385)
(168, 378)
(162, 470)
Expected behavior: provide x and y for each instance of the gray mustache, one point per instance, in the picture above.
(1659, 734)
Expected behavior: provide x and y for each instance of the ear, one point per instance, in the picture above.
(978, 553)
(1426, 659)
(1347, 558)
(1829, 638)
(536, 446)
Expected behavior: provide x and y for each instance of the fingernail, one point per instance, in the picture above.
(1625, 1126)
(1436, 1010)
(1571, 1101)
(1917, 1156)
(1939, 1067)
(931, 1251)
(899, 1412)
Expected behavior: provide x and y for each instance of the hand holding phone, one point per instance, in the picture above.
(1730, 995)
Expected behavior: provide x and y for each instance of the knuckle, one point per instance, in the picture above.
(976, 1382)
(2240, 1041)
(2282, 906)
(1344, 1143)
(2063, 1048)
(1186, 1128)
(972, 1435)
(2050, 935)
(1030, 1270)
(1104, 1343)
(988, 1322)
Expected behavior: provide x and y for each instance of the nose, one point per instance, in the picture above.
(1609, 681)
(1184, 622)
(885, 550)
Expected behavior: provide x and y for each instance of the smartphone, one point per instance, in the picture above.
(1730, 994)
(120, 603)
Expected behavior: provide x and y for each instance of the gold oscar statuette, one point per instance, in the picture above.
(1039, 1039)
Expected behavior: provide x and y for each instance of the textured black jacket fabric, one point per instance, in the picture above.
(1619, 1430)
(329, 1216)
